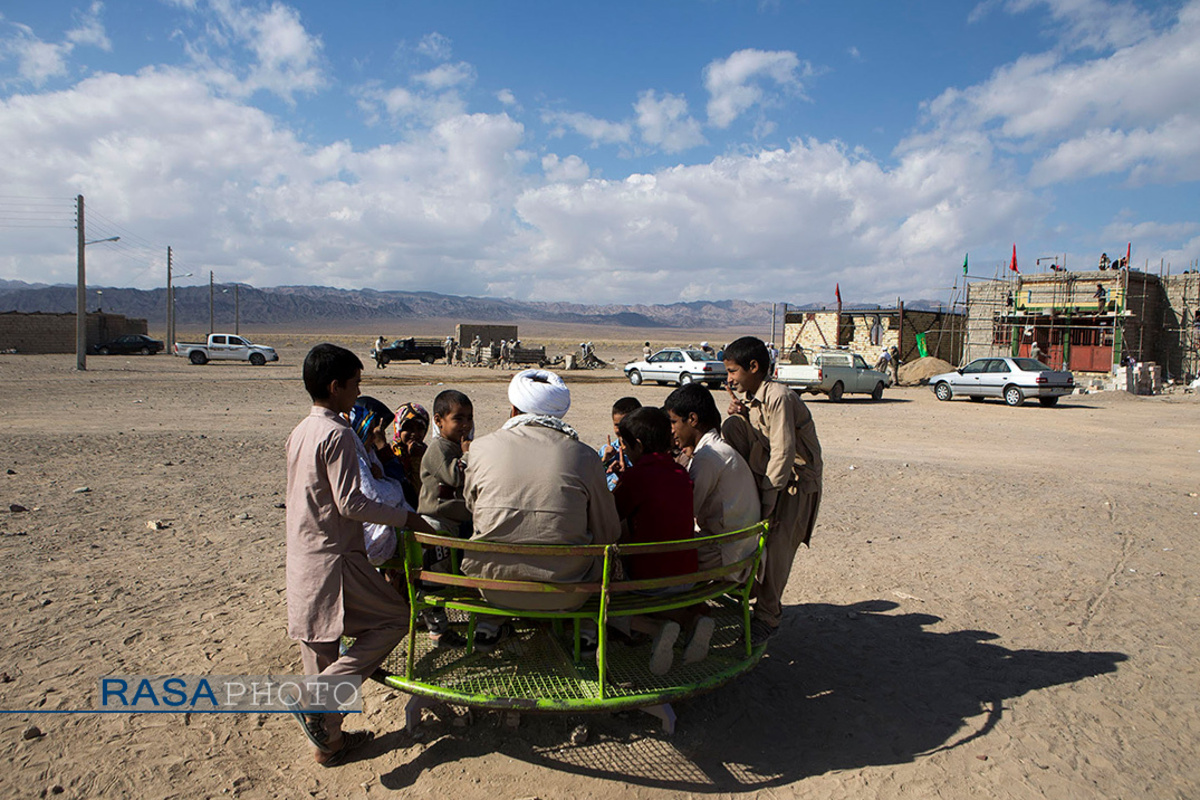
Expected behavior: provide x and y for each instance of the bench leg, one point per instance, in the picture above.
(665, 713)
(412, 712)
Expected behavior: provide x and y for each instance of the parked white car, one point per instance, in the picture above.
(1014, 379)
(678, 365)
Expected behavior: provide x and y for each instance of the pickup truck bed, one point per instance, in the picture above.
(834, 374)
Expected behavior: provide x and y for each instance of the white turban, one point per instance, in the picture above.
(536, 391)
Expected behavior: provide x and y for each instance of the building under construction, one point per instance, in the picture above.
(1088, 321)
(867, 330)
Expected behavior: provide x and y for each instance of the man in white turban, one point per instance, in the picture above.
(534, 482)
(537, 391)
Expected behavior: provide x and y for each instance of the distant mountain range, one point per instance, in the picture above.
(292, 305)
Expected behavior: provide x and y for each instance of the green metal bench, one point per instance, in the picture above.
(541, 667)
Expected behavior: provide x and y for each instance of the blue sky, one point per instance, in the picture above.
(598, 152)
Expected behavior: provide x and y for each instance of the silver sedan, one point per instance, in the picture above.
(1013, 379)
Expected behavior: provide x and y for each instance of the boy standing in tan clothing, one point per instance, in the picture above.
(771, 428)
(332, 589)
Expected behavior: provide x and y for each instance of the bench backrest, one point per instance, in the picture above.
(609, 553)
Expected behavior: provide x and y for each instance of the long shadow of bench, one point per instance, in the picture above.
(841, 687)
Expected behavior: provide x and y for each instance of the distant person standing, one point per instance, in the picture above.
(378, 352)
(450, 343)
(894, 354)
(647, 351)
(1035, 351)
(476, 349)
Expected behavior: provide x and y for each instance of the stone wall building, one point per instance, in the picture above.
(55, 333)
(488, 334)
(1087, 321)
(868, 330)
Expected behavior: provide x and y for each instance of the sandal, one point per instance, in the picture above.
(351, 740)
(312, 724)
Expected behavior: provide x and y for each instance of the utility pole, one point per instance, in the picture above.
(211, 330)
(170, 343)
(80, 293)
(237, 308)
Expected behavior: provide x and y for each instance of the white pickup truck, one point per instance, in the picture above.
(833, 373)
(225, 347)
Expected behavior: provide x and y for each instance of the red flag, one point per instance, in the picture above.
(1128, 252)
(1013, 265)
(837, 292)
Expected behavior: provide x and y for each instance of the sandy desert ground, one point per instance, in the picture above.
(998, 603)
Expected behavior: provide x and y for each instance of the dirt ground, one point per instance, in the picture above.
(999, 602)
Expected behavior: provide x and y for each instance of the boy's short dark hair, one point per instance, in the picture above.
(694, 399)
(325, 364)
(446, 400)
(625, 405)
(746, 349)
(648, 425)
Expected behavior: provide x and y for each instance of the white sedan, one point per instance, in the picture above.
(678, 365)
(1014, 379)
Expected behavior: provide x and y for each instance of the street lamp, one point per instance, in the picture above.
(237, 307)
(81, 286)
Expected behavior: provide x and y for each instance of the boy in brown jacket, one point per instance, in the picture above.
(771, 428)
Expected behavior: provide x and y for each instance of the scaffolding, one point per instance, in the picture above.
(1139, 316)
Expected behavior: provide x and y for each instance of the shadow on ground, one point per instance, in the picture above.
(841, 687)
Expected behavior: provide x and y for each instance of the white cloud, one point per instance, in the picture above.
(446, 76)
(597, 131)
(506, 97)
(666, 123)
(90, 30)
(435, 46)
(1092, 24)
(1135, 111)
(772, 224)
(38, 61)
(1124, 231)
(286, 58)
(235, 191)
(734, 84)
(565, 170)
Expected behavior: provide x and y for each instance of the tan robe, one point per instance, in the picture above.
(535, 485)
(331, 587)
(778, 439)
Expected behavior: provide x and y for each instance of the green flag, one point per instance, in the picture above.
(965, 263)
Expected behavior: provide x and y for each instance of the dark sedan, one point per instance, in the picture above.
(132, 343)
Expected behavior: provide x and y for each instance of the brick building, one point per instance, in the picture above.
(55, 333)
(1088, 321)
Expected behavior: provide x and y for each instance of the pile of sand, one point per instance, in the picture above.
(919, 372)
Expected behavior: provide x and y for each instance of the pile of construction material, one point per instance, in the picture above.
(1144, 377)
(918, 373)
